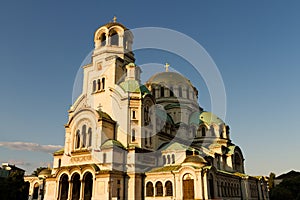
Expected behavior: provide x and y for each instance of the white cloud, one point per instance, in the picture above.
(28, 146)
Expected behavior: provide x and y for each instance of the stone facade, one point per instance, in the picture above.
(127, 140)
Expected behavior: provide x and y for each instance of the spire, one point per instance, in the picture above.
(115, 19)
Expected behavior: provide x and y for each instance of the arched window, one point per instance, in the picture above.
(77, 139)
(59, 163)
(98, 84)
(89, 137)
(63, 187)
(159, 189)
(149, 189)
(94, 86)
(171, 92)
(133, 135)
(179, 91)
(114, 38)
(173, 158)
(104, 157)
(153, 92)
(238, 163)
(88, 186)
(211, 186)
(150, 139)
(187, 93)
(103, 83)
(164, 159)
(84, 136)
(168, 159)
(103, 39)
(162, 91)
(203, 130)
(35, 194)
(169, 188)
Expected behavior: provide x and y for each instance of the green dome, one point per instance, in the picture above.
(194, 159)
(209, 118)
(112, 143)
(45, 172)
(170, 78)
(134, 86)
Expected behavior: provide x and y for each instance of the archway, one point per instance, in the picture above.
(188, 187)
(88, 186)
(76, 184)
(35, 194)
(63, 187)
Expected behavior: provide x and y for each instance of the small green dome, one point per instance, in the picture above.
(194, 159)
(112, 143)
(209, 118)
(134, 86)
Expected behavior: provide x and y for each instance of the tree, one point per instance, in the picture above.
(37, 171)
(13, 187)
(288, 189)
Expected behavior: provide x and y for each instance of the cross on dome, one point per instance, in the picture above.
(115, 19)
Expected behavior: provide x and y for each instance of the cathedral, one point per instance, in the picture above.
(127, 140)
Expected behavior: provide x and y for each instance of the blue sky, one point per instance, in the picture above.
(255, 44)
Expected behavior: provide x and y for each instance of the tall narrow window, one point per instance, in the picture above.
(133, 135)
(187, 93)
(173, 158)
(162, 91)
(159, 189)
(94, 86)
(153, 92)
(133, 114)
(146, 138)
(171, 92)
(168, 159)
(77, 139)
(104, 157)
(203, 130)
(98, 84)
(59, 163)
(103, 83)
(179, 91)
(89, 137)
(150, 139)
(84, 136)
(103, 39)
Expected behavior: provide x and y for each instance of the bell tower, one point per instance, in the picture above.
(112, 52)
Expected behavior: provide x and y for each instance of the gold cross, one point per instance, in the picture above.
(167, 65)
(114, 19)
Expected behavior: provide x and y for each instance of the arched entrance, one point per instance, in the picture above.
(63, 187)
(88, 186)
(35, 194)
(76, 184)
(188, 187)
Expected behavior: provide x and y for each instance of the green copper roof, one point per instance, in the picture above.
(166, 168)
(59, 152)
(134, 86)
(105, 116)
(175, 146)
(209, 118)
(112, 143)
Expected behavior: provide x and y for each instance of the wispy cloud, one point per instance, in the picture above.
(28, 146)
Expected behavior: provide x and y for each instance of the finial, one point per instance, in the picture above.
(115, 19)
(167, 65)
